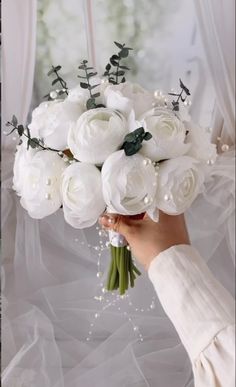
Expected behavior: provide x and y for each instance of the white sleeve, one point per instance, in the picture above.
(201, 310)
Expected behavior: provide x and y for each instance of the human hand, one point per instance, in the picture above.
(147, 238)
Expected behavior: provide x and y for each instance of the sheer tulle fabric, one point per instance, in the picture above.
(49, 303)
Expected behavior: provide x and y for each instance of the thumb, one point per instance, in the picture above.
(117, 223)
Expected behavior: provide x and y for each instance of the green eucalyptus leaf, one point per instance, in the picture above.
(96, 95)
(33, 142)
(50, 72)
(55, 81)
(147, 136)
(90, 104)
(108, 67)
(14, 120)
(20, 130)
(119, 45)
(57, 68)
(84, 85)
(124, 53)
(120, 73)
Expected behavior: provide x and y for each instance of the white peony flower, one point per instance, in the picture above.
(168, 135)
(128, 96)
(201, 148)
(129, 183)
(82, 195)
(97, 133)
(23, 158)
(51, 121)
(38, 183)
(179, 182)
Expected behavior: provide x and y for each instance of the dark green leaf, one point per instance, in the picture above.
(20, 130)
(91, 75)
(138, 132)
(14, 120)
(114, 62)
(123, 80)
(100, 105)
(96, 95)
(124, 53)
(124, 67)
(84, 61)
(84, 85)
(33, 142)
(120, 73)
(82, 67)
(184, 87)
(46, 96)
(147, 136)
(11, 131)
(80, 76)
(130, 137)
(108, 67)
(57, 68)
(50, 72)
(92, 87)
(120, 46)
(91, 103)
(55, 81)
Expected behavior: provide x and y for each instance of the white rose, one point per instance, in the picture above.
(82, 195)
(179, 182)
(97, 133)
(168, 135)
(51, 121)
(129, 183)
(23, 157)
(201, 147)
(40, 184)
(126, 97)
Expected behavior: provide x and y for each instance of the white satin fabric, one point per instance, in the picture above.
(49, 271)
(202, 312)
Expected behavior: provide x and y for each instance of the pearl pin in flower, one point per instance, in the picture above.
(48, 196)
(53, 94)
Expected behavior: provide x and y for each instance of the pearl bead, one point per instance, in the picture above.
(99, 274)
(48, 196)
(158, 93)
(166, 197)
(210, 162)
(225, 147)
(48, 182)
(128, 248)
(135, 328)
(53, 94)
(87, 339)
(97, 315)
(152, 306)
(60, 153)
(107, 244)
(104, 290)
(156, 173)
(146, 200)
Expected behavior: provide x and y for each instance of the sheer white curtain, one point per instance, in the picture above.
(216, 20)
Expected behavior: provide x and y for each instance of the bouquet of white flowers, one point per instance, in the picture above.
(108, 144)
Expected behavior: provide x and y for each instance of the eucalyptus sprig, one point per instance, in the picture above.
(133, 141)
(114, 69)
(180, 96)
(58, 79)
(32, 142)
(89, 73)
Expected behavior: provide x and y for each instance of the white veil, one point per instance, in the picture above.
(54, 332)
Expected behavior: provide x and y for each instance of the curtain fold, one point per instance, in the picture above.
(216, 19)
(18, 59)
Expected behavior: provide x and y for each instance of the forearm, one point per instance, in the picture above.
(194, 300)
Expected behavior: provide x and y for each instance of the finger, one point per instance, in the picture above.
(116, 223)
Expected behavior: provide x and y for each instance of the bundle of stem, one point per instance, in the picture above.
(122, 271)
